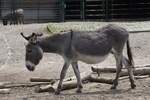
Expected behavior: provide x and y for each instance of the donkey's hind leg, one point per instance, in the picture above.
(130, 71)
(77, 73)
(118, 58)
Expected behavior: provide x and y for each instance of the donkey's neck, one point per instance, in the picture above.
(54, 44)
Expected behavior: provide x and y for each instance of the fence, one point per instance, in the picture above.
(34, 10)
(107, 10)
(78, 10)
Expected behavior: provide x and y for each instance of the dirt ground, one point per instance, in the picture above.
(12, 69)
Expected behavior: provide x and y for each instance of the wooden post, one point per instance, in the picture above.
(137, 71)
(37, 79)
(68, 83)
(106, 70)
(5, 91)
(92, 78)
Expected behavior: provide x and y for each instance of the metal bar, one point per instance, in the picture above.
(110, 10)
(132, 12)
(106, 10)
(38, 11)
(62, 10)
(103, 8)
(0, 9)
(83, 9)
(13, 6)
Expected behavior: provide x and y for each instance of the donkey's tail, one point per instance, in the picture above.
(129, 53)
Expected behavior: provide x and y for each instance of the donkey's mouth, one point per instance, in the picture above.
(30, 66)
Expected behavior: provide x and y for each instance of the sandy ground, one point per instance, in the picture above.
(12, 69)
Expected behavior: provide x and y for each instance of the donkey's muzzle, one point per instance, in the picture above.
(30, 66)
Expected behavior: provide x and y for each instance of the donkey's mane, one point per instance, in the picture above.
(59, 33)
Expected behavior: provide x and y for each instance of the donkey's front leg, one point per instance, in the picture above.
(62, 76)
(77, 73)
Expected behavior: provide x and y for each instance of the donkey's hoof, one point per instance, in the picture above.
(133, 86)
(113, 87)
(78, 91)
(57, 92)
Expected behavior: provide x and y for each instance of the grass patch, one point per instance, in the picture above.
(80, 26)
(54, 29)
(91, 26)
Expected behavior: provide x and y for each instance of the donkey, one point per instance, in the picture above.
(90, 47)
(15, 17)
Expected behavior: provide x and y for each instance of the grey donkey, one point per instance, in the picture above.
(88, 46)
(15, 17)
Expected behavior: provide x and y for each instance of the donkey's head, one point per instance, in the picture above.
(34, 53)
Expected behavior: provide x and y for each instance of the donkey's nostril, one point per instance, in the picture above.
(30, 66)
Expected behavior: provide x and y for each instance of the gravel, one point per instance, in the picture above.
(12, 66)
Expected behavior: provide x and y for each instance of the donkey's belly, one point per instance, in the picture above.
(91, 59)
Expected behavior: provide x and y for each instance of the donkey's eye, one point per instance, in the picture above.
(29, 50)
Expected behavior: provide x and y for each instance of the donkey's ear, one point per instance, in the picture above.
(40, 34)
(37, 34)
(27, 38)
(33, 34)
